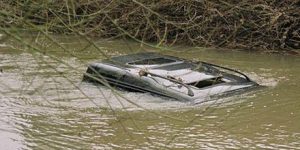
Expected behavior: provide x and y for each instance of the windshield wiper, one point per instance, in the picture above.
(225, 68)
(143, 72)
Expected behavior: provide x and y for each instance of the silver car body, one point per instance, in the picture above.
(169, 76)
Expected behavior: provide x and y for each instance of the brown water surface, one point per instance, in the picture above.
(45, 105)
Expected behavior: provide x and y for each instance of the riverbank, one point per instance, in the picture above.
(270, 26)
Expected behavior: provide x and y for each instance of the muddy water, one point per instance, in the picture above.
(45, 105)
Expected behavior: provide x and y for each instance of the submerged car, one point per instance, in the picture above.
(169, 76)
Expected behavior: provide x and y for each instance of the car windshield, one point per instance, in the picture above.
(152, 61)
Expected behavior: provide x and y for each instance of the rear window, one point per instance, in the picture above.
(152, 61)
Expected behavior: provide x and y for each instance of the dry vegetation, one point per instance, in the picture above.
(247, 24)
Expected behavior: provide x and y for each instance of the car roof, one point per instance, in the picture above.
(158, 61)
(140, 56)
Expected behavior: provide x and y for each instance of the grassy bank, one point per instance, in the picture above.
(248, 24)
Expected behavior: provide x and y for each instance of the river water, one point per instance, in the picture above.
(45, 105)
